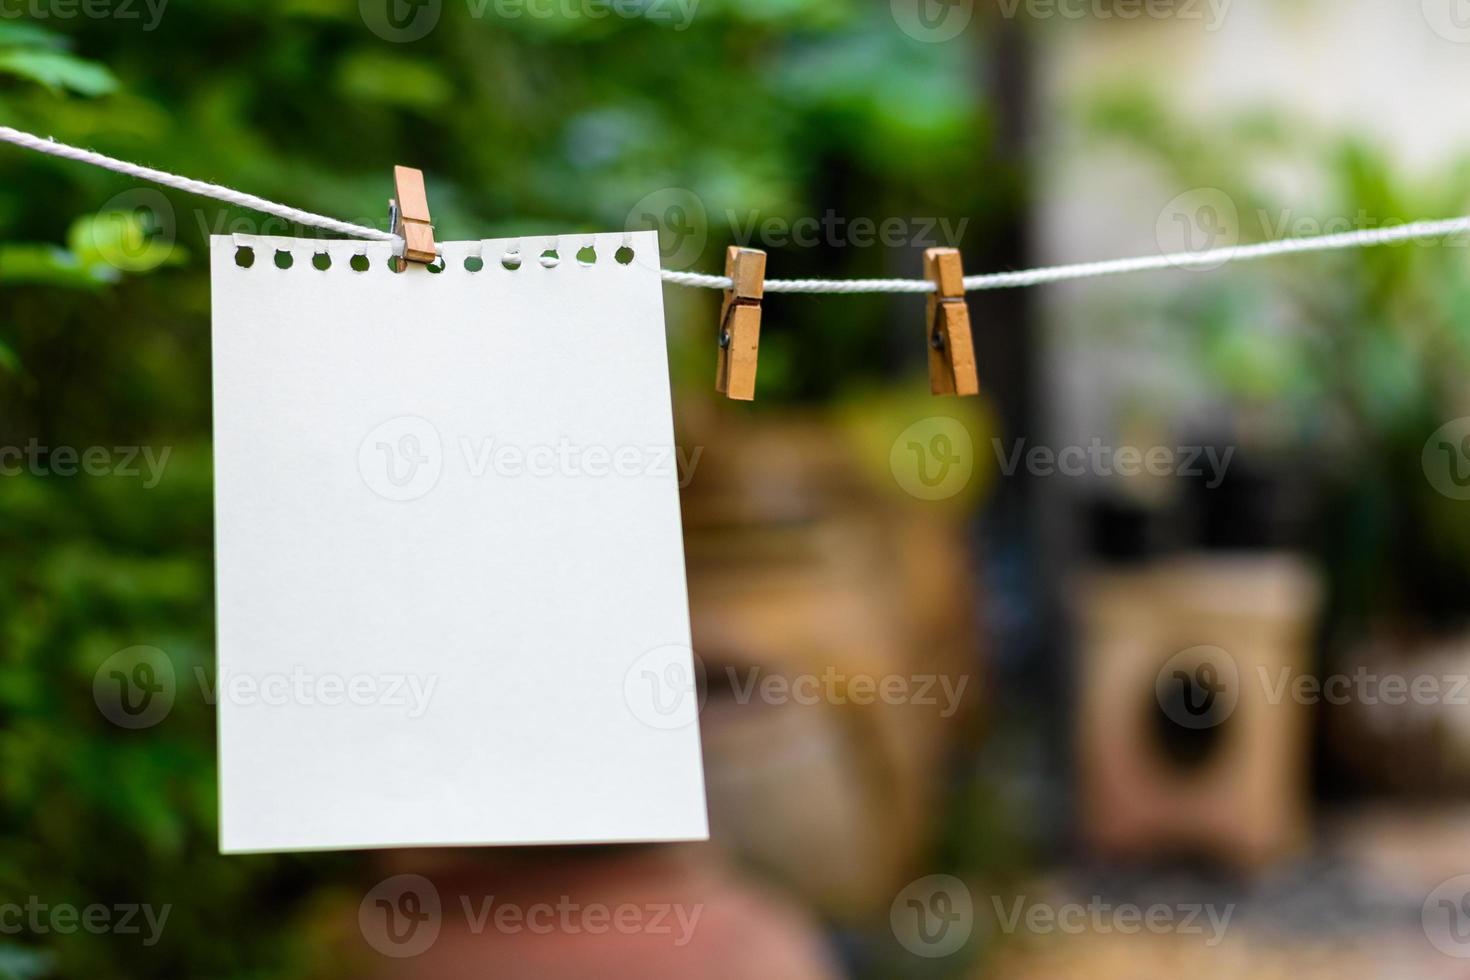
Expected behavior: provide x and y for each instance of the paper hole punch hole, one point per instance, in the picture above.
(360, 262)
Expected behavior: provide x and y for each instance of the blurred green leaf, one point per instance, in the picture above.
(58, 70)
(9, 361)
(20, 963)
(22, 34)
(124, 240)
(51, 266)
(393, 80)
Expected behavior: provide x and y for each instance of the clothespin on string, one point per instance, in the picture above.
(951, 347)
(740, 323)
(408, 213)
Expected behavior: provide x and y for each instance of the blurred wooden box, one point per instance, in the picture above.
(1188, 740)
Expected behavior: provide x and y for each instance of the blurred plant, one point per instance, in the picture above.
(35, 54)
(1340, 365)
(774, 109)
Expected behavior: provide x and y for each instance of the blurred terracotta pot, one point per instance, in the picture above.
(568, 914)
(811, 588)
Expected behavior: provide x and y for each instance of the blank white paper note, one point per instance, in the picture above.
(450, 573)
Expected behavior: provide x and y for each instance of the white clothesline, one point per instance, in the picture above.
(1209, 258)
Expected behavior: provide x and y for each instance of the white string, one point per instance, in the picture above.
(200, 187)
(698, 279)
(849, 286)
(1209, 258)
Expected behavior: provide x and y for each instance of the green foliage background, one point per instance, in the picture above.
(761, 108)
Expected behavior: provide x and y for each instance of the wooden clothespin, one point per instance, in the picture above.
(740, 323)
(951, 347)
(410, 212)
